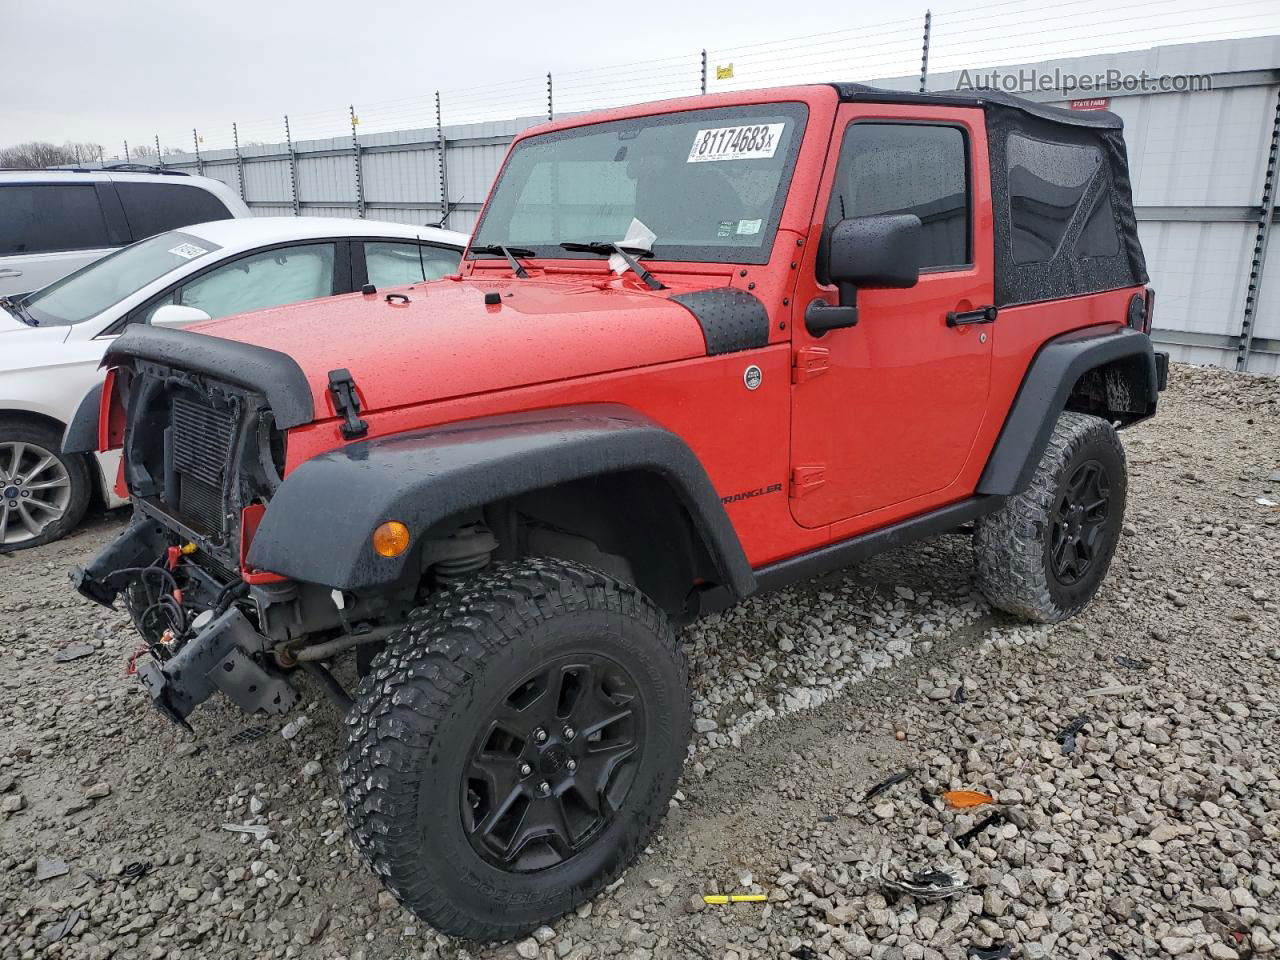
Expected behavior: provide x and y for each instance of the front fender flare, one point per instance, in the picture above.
(318, 524)
(1056, 369)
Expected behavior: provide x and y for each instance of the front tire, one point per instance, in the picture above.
(1045, 553)
(515, 745)
(43, 492)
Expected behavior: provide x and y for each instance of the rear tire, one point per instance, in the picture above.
(1045, 553)
(537, 664)
(43, 492)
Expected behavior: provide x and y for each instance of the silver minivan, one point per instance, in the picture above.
(53, 222)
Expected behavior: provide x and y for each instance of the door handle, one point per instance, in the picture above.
(965, 317)
(9, 274)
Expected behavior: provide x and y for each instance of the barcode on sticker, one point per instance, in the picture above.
(188, 251)
(755, 141)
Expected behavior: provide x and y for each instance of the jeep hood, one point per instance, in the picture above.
(446, 341)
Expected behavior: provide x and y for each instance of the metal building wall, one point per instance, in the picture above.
(1199, 162)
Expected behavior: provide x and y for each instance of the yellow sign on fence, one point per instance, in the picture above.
(725, 72)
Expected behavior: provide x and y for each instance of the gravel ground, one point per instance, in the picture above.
(1152, 830)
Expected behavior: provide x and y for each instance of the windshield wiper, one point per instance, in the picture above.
(15, 307)
(627, 253)
(499, 250)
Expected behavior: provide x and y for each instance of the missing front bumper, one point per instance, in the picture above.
(220, 657)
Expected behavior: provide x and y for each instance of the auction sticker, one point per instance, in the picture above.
(188, 251)
(757, 141)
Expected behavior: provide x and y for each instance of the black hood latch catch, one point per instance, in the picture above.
(346, 401)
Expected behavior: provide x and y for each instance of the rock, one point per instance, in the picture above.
(49, 869)
(994, 905)
(188, 894)
(257, 805)
(98, 791)
(704, 725)
(12, 803)
(1177, 946)
(528, 949)
(387, 900)
(312, 769)
(544, 934)
(294, 726)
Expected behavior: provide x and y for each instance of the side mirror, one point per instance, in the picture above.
(873, 252)
(173, 315)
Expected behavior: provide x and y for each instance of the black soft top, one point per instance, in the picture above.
(1098, 119)
(1060, 192)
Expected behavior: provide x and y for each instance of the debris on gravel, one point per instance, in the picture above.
(1131, 755)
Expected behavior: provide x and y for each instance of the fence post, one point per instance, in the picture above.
(159, 155)
(235, 138)
(924, 57)
(1259, 261)
(126, 151)
(704, 69)
(355, 152)
(293, 166)
(550, 101)
(441, 147)
(77, 149)
(195, 138)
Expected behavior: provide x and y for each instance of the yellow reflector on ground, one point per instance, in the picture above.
(391, 539)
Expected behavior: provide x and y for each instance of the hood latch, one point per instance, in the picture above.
(346, 401)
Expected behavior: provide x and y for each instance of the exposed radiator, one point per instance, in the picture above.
(202, 440)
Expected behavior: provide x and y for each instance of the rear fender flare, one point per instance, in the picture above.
(1053, 373)
(318, 525)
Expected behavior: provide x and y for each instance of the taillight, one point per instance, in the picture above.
(1150, 312)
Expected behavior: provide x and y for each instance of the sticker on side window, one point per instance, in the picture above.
(756, 141)
(188, 251)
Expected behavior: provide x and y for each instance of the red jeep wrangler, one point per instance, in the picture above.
(697, 349)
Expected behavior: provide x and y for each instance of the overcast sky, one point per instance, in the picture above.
(103, 72)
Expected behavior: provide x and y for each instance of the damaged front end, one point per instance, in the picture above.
(195, 642)
(202, 456)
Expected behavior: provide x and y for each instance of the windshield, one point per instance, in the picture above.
(103, 283)
(707, 184)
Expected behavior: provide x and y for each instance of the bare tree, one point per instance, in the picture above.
(38, 155)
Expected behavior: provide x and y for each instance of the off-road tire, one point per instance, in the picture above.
(1013, 545)
(428, 694)
(74, 466)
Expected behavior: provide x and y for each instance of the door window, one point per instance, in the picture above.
(269, 279)
(397, 264)
(153, 208)
(42, 218)
(887, 168)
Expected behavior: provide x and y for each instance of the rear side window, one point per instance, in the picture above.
(889, 168)
(1047, 183)
(397, 264)
(153, 208)
(42, 218)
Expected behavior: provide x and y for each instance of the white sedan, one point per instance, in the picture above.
(52, 341)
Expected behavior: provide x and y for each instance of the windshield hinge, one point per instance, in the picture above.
(346, 403)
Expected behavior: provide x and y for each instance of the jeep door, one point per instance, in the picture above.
(885, 413)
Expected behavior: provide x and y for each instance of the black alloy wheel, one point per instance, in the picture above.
(1079, 522)
(554, 763)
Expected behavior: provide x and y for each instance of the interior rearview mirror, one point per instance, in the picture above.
(870, 252)
(175, 315)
